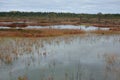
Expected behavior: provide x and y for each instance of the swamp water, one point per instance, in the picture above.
(80, 27)
(78, 57)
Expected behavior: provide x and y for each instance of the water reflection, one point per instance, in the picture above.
(81, 27)
(78, 57)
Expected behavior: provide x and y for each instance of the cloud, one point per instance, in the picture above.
(77, 6)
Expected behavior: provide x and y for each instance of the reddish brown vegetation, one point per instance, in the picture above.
(17, 25)
(13, 24)
(51, 32)
(34, 21)
(37, 32)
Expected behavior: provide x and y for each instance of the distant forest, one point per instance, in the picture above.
(53, 14)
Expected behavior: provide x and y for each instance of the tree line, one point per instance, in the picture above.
(53, 14)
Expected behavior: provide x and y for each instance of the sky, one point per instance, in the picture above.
(73, 6)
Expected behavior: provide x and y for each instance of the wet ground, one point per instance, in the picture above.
(78, 57)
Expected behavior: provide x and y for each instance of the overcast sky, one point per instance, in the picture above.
(74, 6)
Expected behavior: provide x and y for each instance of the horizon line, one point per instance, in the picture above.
(58, 12)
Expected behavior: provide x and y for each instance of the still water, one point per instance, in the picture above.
(80, 27)
(78, 57)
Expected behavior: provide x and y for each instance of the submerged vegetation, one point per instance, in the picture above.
(60, 58)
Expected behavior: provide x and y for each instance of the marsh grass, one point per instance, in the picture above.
(112, 63)
(37, 33)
